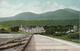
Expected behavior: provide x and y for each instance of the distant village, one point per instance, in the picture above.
(36, 29)
(40, 29)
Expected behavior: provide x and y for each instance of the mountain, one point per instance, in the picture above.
(62, 14)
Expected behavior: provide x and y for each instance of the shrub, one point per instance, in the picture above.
(73, 35)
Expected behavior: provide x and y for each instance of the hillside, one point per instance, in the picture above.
(62, 14)
(40, 22)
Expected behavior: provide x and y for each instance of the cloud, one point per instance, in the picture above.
(10, 8)
(7, 9)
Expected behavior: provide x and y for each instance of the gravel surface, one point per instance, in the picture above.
(8, 37)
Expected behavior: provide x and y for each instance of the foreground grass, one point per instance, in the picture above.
(64, 37)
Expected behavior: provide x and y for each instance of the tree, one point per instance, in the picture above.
(69, 27)
(2, 30)
(15, 29)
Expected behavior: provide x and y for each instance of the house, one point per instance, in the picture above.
(28, 29)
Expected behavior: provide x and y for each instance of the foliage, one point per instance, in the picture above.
(2, 30)
(73, 35)
(61, 32)
(15, 29)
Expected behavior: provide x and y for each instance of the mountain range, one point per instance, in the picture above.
(62, 14)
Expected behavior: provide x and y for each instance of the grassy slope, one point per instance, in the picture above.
(39, 22)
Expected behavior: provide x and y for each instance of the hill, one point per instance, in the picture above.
(62, 14)
(59, 16)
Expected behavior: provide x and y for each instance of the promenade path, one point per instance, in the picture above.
(44, 43)
(38, 43)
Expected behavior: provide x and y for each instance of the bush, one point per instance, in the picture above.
(73, 35)
(58, 34)
(15, 29)
(2, 30)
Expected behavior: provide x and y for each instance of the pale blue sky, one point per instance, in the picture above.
(13, 7)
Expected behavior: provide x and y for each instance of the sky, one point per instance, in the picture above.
(12, 7)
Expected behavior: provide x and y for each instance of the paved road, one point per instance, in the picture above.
(44, 43)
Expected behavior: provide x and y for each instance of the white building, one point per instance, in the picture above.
(32, 30)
